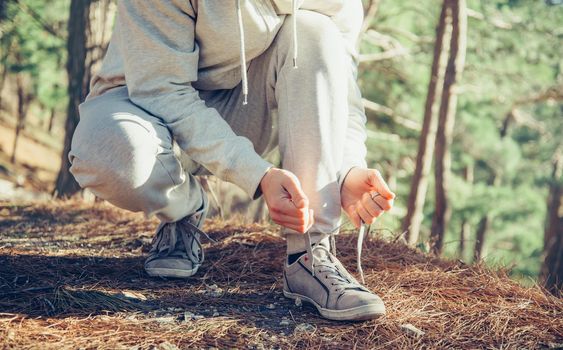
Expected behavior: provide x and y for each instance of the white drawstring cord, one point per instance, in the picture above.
(359, 245)
(242, 55)
(243, 51)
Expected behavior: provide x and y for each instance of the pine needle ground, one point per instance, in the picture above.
(71, 277)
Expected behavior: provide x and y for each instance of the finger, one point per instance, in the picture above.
(366, 217)
(353, 216)
(284, 220)
(372, 207)
(384, 204)
(377, 181)
(287, 207)
(296, 228)
(293, 187)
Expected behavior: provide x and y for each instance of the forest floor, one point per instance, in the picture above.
(71, 277)
(36, 167)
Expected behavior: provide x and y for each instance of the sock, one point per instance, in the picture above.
(291, 258)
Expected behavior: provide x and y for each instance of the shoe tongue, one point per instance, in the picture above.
(321, 253)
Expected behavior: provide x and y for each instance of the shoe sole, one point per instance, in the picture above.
(360, 313)
(171, 273)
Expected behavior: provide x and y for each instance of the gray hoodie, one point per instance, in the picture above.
(165, 50)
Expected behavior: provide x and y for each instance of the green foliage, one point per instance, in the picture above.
(514, 53)
(33, 44)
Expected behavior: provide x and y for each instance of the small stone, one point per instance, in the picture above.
(284, 322)
(188, 316)
(216, 314)
(412, 330)
(165, 320)
(298, 302)
(214, 291)
(304, 328)
(271, 306)
(168, 346)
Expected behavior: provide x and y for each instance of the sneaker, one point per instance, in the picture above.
(325, 283)
(176, 248)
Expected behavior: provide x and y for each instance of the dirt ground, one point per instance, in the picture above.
(36, 164)
(71, 277)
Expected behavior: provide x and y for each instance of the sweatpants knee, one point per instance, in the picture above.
(319, 39)
(123, 159)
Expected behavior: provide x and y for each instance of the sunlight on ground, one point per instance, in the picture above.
(44, 161)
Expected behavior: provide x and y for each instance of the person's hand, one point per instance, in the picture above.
(365, 195)
(286, 201)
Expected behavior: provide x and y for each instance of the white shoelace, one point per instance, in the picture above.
(311, 248)
(167, 236)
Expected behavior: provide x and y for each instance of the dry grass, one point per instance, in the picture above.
(71, 277)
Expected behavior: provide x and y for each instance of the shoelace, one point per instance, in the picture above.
(310, 248)
(326, 265)
(167, 237)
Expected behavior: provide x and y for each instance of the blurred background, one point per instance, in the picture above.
(465, 114)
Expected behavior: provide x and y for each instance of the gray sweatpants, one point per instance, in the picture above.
(126, 156)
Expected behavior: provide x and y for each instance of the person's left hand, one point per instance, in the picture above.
(365, 195)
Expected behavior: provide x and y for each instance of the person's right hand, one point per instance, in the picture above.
(286, 201)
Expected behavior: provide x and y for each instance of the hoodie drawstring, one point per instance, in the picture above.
(243, 51)
(242, 55)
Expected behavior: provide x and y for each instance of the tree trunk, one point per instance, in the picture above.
(465, 230)
(3, 80)
(21, 114)
(89, 27)
(51, 120)
(66, 185)
(419, 184)
(484, 224)
(7, 49)
(482, 229)
(446, 122)
(552, 267)
(465, 226)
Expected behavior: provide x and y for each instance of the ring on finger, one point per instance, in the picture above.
(377, 194)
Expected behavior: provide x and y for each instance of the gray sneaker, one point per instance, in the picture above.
(325, 283)
(176, 248)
